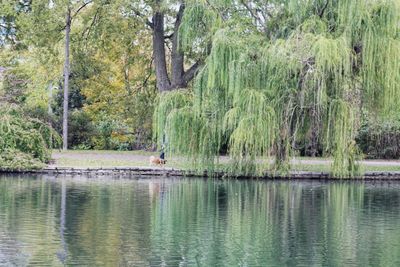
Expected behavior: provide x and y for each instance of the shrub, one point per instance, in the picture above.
(112, 135)
(380, 138)
(25, 142)
(81, 130)
(12, 159)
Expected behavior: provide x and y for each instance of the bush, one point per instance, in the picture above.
(25, 142)
(380, 139)
(81, 130)
(12, 160)
(112, 135)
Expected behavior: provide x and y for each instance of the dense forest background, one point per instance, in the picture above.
(112, 85)
(127, 59)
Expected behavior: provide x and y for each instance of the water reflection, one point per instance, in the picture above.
(62, 255)
(47, 221)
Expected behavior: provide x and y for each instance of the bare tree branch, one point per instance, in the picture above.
(321, 13)
(80, 8)
(150, 73)
(88, 29)
(191, 72)
(215, 9)
(255, 16)
(147, 21)
(169, 36)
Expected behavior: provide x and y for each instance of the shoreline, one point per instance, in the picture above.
(166, 172)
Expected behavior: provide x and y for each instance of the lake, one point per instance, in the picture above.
(48, 221)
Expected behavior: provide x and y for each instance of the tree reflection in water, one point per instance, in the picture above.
(171, 221)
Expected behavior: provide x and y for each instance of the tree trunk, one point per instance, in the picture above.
(177, 57)
(66, 79)
(179, 78)
(281, 152)
(126, 77)
(314, 132)
(163, 83)
(282, 146)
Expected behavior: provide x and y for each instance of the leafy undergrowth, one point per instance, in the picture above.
(14, 160)
(24, 141)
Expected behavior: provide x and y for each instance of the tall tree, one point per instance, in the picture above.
(66, 77)
(278, 69)
(68, 23)
(43, 26)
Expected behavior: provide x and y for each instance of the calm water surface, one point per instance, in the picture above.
(47, 221)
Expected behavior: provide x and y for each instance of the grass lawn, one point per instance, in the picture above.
(109, 159)
(104, 152)
(140, 158)
(326, 168)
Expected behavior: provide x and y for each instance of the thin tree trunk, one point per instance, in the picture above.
(282, 153)
(282, 147)
(49, 108)
(126, 77)
(314, 132)
(66, 79)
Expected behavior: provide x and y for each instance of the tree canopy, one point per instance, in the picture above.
(278, 70)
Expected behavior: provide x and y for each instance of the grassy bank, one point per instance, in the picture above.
(139, 158)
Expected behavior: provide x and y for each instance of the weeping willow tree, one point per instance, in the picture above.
(308, 66)
(25, 142)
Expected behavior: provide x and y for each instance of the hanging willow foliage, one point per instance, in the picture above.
(340, 139)
(25, 142)
(167, 103)
(257, 93)
(198, 26)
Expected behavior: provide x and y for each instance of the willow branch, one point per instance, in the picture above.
(255, 16)
(80, 8)
(321, 13)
